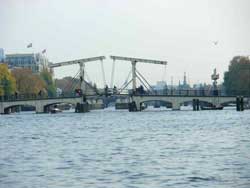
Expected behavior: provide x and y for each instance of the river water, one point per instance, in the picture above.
(108, 148)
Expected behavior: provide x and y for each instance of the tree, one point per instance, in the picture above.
(237, 78)
(7, 81)
(27, 82)
(50, 87)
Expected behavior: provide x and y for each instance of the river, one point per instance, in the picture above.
(108, 148)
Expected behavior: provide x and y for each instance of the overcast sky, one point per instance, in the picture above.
(179, 31)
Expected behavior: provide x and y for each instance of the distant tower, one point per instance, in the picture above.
(185, 80)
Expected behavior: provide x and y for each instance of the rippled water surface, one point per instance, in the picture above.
(121, 149)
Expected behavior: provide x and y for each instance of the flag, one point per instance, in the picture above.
(29, 45)
(44, 51)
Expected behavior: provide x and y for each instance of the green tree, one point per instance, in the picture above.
(50, 87)
(7, 81)
(237, 78)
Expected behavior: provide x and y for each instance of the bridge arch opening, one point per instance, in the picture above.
(60, 105)
(155, 104)
(18, 108)
(113, 100)
(201, 103)
(231, 103)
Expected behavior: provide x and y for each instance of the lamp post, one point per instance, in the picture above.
(215, 77)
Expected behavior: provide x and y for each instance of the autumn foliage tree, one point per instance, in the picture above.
(237, 78)
(7, 81)
(27, 82)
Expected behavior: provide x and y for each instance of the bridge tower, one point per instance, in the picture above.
(81, 63)
(83, 106)
(134, 61)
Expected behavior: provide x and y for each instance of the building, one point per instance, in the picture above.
(184, 85)
(36, 62)
(160, 87)
(1, 55)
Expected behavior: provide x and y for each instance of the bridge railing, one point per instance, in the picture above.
(170, 92)
(189, 92)
(33, 96)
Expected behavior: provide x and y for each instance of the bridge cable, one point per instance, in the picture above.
(74, 84)
(144, 85)
(95, 89)
(88, 83)
(75, 79)
(145, 80)
(125, 86)
(71, 82)
(126, 81)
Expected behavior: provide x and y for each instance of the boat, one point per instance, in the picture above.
(212, 107)
(55, 110)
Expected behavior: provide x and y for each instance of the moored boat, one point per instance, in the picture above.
(212, 107)
(55, 110)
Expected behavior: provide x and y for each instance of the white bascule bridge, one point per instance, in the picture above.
(134, 98)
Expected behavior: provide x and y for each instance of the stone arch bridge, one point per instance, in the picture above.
(176, 101)
(43, 103)
(97, 102)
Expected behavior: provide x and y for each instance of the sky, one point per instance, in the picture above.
(179, 31)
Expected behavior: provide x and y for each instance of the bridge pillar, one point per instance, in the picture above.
(240, 104)
(196, 104)
(132, 107)
(1, 108)
(176, 106)
(39, 108)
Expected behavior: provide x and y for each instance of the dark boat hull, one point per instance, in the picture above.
(211, 108)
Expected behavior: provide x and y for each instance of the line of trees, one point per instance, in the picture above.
(23, 81)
